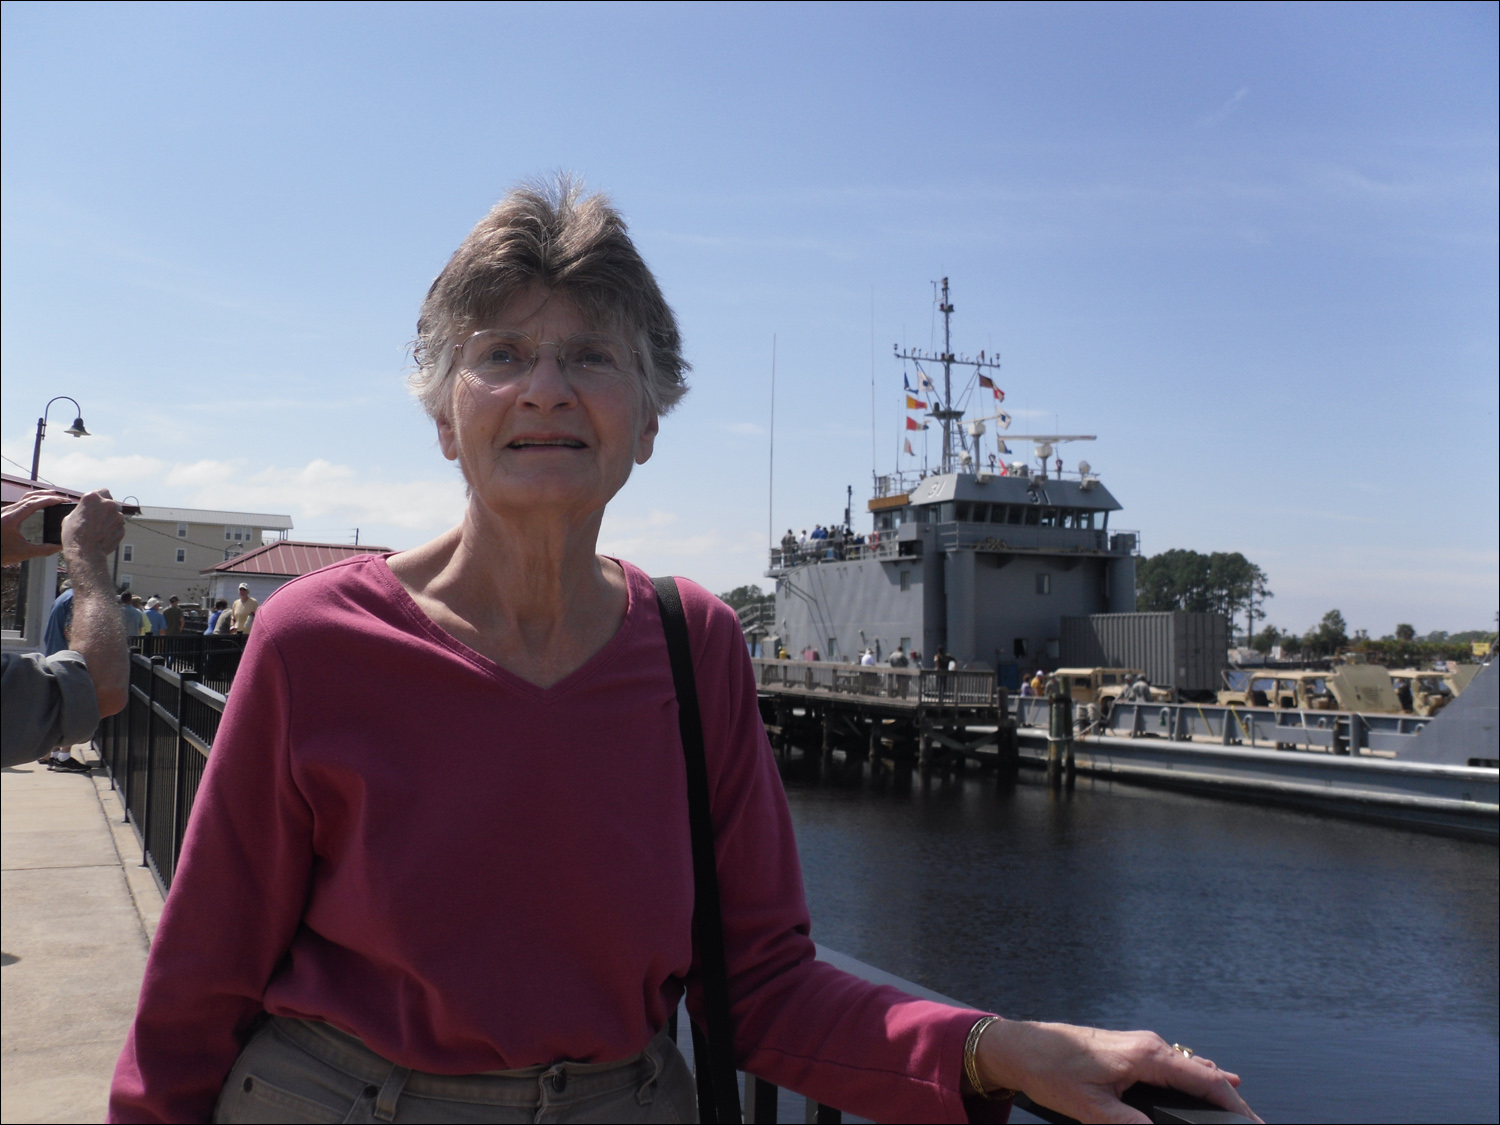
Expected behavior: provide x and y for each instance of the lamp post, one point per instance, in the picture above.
(76, 429)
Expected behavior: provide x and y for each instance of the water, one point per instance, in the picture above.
(1347, 971)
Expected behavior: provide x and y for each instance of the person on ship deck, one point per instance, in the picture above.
(439, 866)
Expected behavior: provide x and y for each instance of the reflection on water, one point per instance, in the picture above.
(1348, 971)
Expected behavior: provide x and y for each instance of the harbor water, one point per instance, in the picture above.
(1347, 971)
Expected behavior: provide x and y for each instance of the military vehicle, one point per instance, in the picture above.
(1348, 687)
(1103, 686)
(1427, 693)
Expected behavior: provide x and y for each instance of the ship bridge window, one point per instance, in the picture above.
(1033, 516)
(980, 514)
(997, 513)
(1015, 514)
(1049, 517)
(885, 522)
(961, 511)
(1086, 519)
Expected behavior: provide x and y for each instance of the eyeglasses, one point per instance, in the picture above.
(498, 358)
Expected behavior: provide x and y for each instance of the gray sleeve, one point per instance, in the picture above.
(48, 701)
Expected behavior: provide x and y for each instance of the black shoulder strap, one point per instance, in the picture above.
(718, 1086)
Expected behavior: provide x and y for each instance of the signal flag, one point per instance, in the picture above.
(915, 403)
(909, 451)
(913, 424)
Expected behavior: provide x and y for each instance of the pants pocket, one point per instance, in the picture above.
(274, 1080)
(254, 1100)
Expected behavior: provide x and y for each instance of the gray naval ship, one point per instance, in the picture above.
(980, 562)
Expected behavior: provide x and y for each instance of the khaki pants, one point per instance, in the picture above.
(302, 1071)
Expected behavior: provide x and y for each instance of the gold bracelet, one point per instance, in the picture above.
(971, 1063)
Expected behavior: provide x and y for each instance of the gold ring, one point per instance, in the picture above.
(1185, 1052)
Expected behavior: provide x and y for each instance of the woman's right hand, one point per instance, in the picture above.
(1082, 1071)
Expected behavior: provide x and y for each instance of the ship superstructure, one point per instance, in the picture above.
(981, 563)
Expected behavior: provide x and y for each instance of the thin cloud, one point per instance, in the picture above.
(1229, 107)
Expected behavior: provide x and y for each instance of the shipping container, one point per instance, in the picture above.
(1183, 650)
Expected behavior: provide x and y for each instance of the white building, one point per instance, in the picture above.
(166, 550)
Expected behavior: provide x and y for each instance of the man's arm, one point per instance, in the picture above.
(89, 535)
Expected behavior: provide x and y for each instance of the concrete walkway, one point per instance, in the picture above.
(79, 913)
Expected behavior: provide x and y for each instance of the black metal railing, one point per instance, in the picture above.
(212, 657)
(156, 750)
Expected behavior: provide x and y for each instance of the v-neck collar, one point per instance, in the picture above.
(575, 679)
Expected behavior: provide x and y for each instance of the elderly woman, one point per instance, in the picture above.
(440, 866)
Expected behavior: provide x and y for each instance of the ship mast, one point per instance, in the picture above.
(944, 411)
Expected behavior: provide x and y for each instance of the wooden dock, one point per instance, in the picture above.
(895, 718)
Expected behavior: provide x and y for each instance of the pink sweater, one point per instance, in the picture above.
(396, 836)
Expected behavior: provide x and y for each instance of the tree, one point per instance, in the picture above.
(1218, 583)
(1330, 634)
(1406, 633)
(1267, 639)
(741, 596)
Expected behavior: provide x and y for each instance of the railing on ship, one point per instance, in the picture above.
(877, 546)
(950, 536)
(913, 686)
(1332, 732)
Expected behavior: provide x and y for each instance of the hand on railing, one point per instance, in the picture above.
(1082, 1071)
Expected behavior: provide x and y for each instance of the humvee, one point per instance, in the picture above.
(1104, 686)
(1349, 687)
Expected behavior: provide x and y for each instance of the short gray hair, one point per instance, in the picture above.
(549, 233)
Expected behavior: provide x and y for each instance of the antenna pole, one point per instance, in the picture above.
(945, 411)
(874, 460)
(771, 458)
(947, 310)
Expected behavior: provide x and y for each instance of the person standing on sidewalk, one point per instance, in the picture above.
(173, 616)
(58, 700)
(243, 610)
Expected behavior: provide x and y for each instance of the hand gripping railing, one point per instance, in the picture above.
(762, 1098)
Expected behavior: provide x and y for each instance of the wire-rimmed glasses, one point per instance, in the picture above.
(499, 358)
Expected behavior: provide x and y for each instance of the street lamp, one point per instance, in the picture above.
(76, 429)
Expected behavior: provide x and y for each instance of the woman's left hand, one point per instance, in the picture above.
(1082, 1071)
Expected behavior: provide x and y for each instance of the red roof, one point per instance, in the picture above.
(289, 558)
(16, 487)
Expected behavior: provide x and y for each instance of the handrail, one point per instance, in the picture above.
(911, 686)
(156, 749)
(1336, 732)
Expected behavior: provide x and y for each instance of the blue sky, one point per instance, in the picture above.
(1252, 247)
